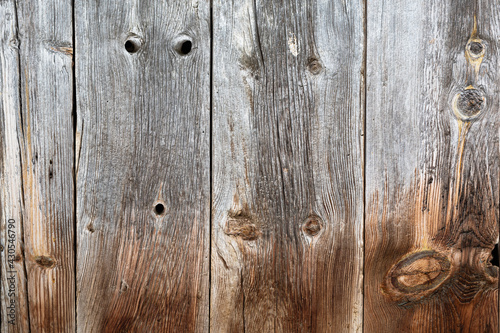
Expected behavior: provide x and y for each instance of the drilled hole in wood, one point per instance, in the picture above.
(133, 45)
(183, 45)
(494, 256)
(159, 209)
(186, 47)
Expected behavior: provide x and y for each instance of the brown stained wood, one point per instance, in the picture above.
(432, 180)
(142, 80)
(37, 160)
(14, 296)
(287, 223)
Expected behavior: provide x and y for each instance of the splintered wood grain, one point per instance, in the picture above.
(142, 147)
(287, 243)
(432, 170)
(38, 159)
(14, 298)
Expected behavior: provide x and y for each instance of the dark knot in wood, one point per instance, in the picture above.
(476, 48)
(242, 226)
(417, 275)
(470, 102)
(314, 66)
(45, 261)
(312, 226)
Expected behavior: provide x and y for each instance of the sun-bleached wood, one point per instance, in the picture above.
(287, 239)
(38, 158)
(14, 297)
(143, 139)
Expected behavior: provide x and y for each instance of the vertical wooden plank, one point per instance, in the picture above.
(14, 297)
(47, 159)
(143, 187)
(432, 175)
(287, 245)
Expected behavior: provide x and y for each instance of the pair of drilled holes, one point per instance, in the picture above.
(183, 47)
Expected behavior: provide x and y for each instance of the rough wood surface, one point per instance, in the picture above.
(39, 159)
(287, 244)
(142, 141)
(432, 170)
(14, 297)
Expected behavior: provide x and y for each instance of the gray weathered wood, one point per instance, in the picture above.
(287, 246)
(14, 298)
(432, 172)
(143, 139)
(39, 163)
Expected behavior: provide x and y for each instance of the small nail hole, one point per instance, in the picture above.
(132, 45)
(159, 209)
(494, 256)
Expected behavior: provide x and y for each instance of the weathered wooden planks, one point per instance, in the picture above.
(38, 158)
(143, 185)
(432, 179)
(287, 243)
(14, 297)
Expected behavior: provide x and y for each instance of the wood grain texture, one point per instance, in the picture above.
(287, 245)
(44, 127)
(14, 296)
(142, 140)
(432, 179)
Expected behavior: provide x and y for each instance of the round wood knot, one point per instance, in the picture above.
(417, 274)
(475, 49)
(45, 261)
(468, 104)
(312, 226)
(314, 66)
(241, 226)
